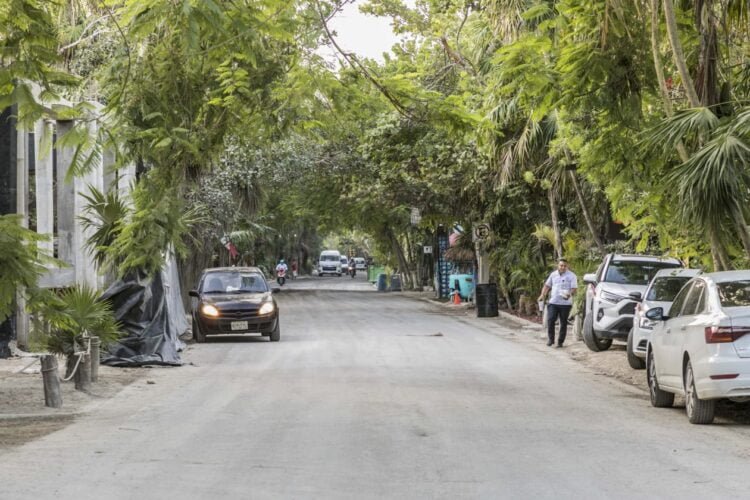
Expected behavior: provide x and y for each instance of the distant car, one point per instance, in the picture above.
(609, 308)
(329, 263)
(235, 301)
(360, 262)
(701, 349)
(660, 293)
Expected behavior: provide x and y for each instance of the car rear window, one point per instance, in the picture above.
(633, 272)
(734, 293)
(665, 289)
(234, 282)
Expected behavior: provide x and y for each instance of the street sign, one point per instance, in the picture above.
(481, 232)
(428, 249)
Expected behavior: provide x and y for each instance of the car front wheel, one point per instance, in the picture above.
(197, 334)
(590, 338)
(633, 360)
(275, 335)
(659, 398)
(699, 411)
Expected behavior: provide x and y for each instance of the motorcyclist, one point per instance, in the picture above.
(281, 266)
(352, 266)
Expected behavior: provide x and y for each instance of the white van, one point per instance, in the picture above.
(329, 263)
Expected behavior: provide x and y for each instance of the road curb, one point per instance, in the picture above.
(13, 417)
(519, 321)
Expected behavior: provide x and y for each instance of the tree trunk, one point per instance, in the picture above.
(718, 252)
(555, 223)
(741, 224)
(659, 67)
(396, 246)
(679, 56)
(586, 213)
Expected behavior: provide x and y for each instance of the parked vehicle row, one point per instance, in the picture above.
(691, 330)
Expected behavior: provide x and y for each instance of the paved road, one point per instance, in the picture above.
(378, 396)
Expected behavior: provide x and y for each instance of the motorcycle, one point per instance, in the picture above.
(281, 277)
(352, 270)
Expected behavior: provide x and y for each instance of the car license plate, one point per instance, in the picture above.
(239, 325)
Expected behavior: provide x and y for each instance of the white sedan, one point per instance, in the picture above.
(702, 349)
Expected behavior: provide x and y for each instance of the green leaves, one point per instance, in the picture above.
(75, 311)
(22, 263)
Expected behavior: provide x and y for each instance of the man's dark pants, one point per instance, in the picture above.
(553, 312)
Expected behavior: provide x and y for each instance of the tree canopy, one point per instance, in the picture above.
(571, 127)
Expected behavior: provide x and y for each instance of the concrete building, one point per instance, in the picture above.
(33, 183)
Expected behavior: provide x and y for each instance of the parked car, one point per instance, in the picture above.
(660, 293)
(701, 349)
(235, 301)
(361, 264)
(329, 263)
(608, 306)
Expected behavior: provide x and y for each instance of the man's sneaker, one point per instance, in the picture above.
(549, 342)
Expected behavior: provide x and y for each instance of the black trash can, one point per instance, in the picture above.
(382, 285)
(395, 283)
(486, 300)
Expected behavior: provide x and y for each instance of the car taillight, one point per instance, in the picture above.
(722, 334)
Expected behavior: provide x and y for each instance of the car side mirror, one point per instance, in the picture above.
(636, 296)
(589, 278)
(275, 289)
(194, 293)
(656, 314)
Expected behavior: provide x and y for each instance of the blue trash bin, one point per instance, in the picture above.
(382, 285)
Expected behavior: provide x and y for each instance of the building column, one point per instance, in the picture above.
(44, 182)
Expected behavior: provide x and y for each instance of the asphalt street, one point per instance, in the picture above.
(377, 395)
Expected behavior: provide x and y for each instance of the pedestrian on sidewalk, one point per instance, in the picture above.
(563, 284)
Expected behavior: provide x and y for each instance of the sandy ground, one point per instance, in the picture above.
(23, 416)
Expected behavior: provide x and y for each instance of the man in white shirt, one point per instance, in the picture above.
(563, 284)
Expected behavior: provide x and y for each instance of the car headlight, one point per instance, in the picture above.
(209, 310)
(646, 323)
(610, 297)
(267, 308)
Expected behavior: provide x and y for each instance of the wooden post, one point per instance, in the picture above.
(95, 343)
(83, 374)
(52, 394)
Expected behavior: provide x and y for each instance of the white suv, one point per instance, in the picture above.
(660, 293)
(609, 306)
(701, 350)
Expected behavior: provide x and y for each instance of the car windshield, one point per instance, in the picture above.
(665, 289)
(234, 282)
(734, 293)
(633, 272)
(329, 258)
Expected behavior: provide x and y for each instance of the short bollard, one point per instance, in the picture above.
(95, 356)
(83, 374)
(51, 379)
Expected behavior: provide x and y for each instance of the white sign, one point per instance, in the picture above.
(427, 249)
(481, 232)
(416, 216)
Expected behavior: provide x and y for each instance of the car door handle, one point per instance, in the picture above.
(668, 330)
(683, 328)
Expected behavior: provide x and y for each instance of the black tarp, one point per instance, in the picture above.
(140, 305)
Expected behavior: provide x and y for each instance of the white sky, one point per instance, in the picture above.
(365, 35)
